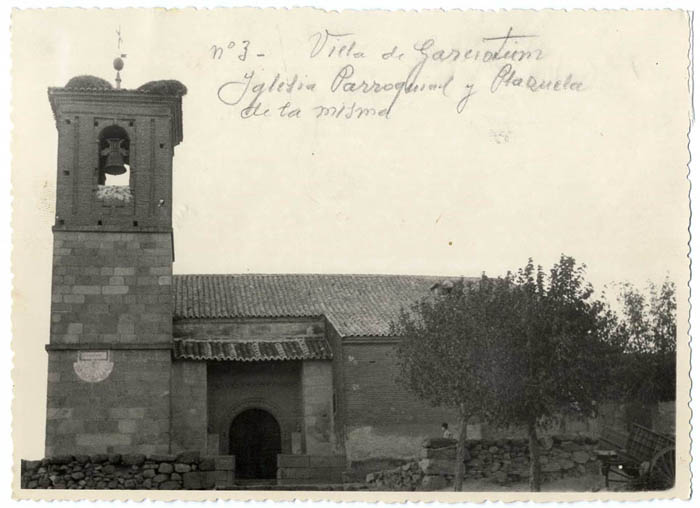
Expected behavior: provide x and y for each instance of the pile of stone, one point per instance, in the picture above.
(406, 477)
(112, 471)
(501, 461)
(438, 462)
(434, 471)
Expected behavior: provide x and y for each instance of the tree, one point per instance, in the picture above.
(646, 333)
(444, 352)
(555, 356)
(520, 349)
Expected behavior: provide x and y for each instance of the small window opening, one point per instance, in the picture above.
(68, 121)
(99, 222)
(162, 145)
(136, 223)
(66, 172)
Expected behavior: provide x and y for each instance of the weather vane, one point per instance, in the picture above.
(118, 63)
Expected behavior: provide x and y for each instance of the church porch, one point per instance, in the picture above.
(268, 402)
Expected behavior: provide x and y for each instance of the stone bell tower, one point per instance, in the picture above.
(111, 299)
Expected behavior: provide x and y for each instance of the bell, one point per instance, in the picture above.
(114, 163)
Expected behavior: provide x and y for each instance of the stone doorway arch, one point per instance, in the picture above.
(255, 439)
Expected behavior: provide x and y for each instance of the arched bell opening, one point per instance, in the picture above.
(114, 169)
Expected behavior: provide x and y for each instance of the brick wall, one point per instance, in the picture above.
(372, 394)
(381, 418)
(111, 288)
(128, 412)
(147, 121)
(272, 386)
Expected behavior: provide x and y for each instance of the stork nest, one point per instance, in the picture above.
(167, 87)
(87, 81)
(170, 87)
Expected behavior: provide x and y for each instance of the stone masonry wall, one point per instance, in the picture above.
(138, 472)
(111, 288)
(338, 381)
(128, 412)
(109, 351)
(189, 406)
(500, 462)
(317, 402)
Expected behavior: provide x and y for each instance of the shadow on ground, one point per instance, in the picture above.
(586, 483)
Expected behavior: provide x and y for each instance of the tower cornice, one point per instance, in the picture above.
(61, 96)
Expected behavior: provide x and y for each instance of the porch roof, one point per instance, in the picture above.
(222, 349)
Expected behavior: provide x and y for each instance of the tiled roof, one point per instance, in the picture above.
(356, 305)
(295, 348)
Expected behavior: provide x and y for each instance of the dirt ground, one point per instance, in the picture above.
(586, 483)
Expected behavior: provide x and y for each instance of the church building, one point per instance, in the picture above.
(279, 371)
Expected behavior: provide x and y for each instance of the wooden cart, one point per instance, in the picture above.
(641, 460)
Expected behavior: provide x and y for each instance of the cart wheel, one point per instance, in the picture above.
(662, 473)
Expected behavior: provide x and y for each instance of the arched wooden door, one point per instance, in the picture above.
(255, 440)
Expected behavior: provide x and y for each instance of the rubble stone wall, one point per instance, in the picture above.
(136, 472)
(502, 462)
